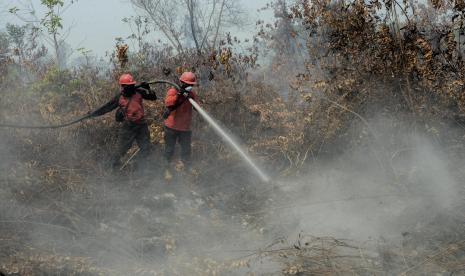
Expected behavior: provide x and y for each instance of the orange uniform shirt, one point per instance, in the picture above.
(180, 118)
(133, 106)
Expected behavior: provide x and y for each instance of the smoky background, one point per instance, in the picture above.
(378, 195)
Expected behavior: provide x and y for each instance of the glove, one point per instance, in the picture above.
(186, 92)
(183, 94)
(145, 85)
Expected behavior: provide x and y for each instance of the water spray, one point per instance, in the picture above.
(201, 111)
(230, 141)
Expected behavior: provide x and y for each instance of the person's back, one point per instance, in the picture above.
(180, 118)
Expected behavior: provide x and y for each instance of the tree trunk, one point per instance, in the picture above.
(218, 24)
(191, 8)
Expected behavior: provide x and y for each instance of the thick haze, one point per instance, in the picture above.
(96, 24)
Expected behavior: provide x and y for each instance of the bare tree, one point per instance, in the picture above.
(49, 24)
(205, 19)
(139, 28)
(20, 44)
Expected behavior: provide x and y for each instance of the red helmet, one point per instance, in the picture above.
(126, 79)
(189, 78)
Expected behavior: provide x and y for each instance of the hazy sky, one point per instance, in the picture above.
(96, 23)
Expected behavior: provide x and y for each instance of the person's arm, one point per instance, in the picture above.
(108, 107)
(172, 99)
(147, 93)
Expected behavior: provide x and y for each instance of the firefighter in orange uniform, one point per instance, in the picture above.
(178, 119)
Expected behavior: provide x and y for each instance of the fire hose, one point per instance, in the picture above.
(202, 112)
(83, 118)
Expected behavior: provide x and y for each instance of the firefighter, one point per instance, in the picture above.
(178, 120)
(130, 112)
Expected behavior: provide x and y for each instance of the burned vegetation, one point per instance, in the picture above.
(354, 108)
